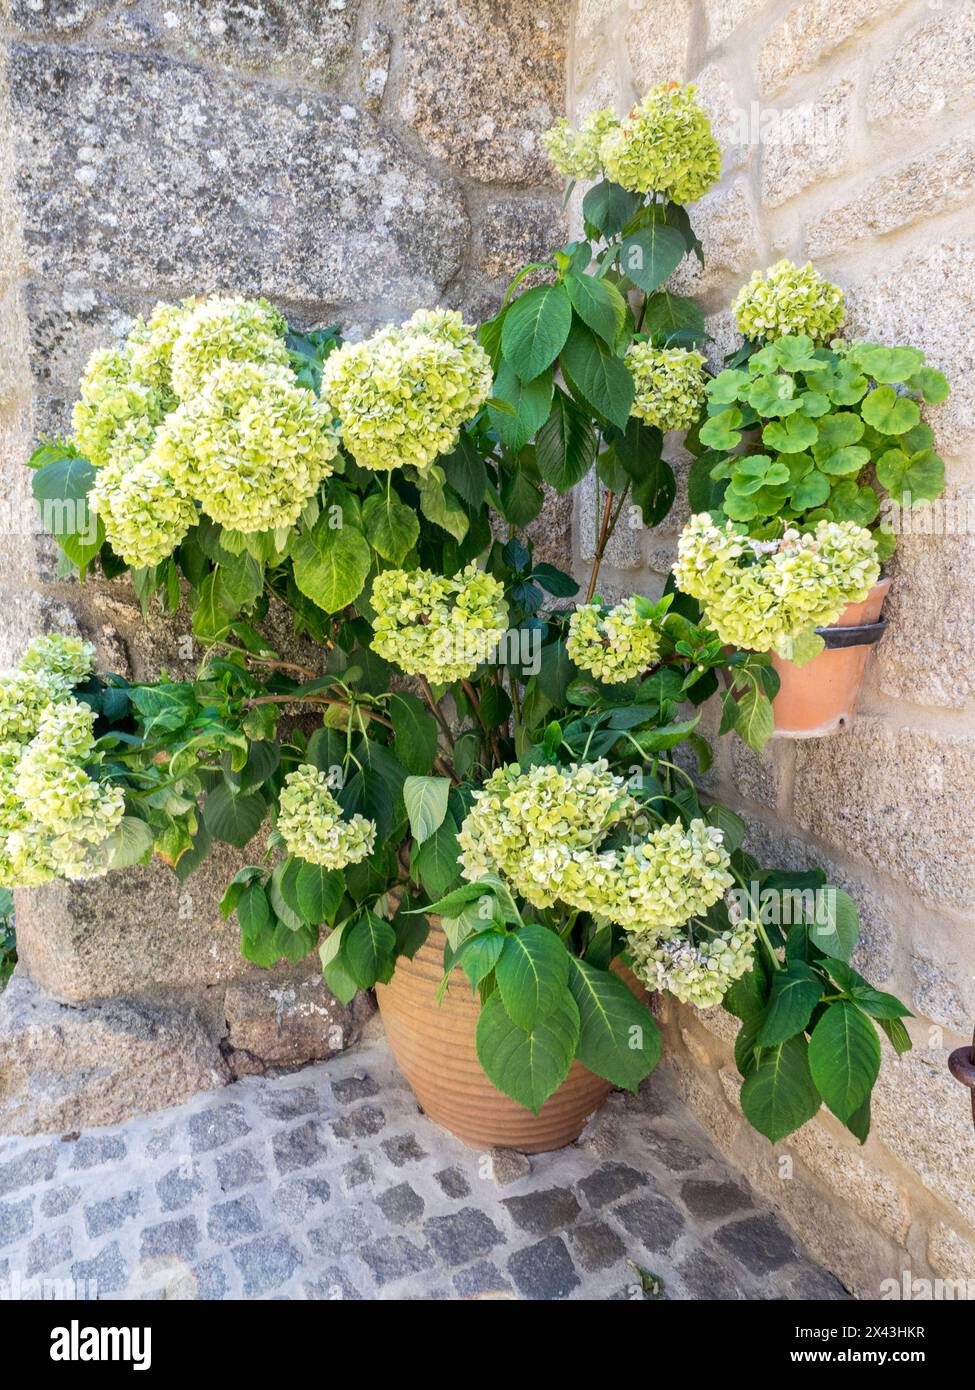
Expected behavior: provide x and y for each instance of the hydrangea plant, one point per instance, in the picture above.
(460, 740)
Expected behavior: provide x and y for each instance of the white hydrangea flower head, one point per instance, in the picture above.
(543, 830)
(789, 299)
(664, 145)
(402, 395)
(669, 385)
(145, 516)
(616, 645)
(695, 973)
(313, 826)
(252, 446)
(805, 582)
(438, 626)
(575, 153)
(65, 661)
(221, 329)
(117, 414)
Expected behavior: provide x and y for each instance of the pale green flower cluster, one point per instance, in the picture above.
(402, 395)
(117, 415)
(144, 516)
(251, 447)
(789, 299)
(199, 408)
(53, 815)
(669, 385)
(312, 824)
(575, 153)
(783, 589)
(435, 625)
(614, 644)
(64, 661)
(664, 146)
(542, 829)
(221, 329)
(698, 974)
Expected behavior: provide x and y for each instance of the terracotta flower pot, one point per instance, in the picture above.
(821, 696)
(434, 1048)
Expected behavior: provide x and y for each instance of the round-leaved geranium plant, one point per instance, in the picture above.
(451, 734)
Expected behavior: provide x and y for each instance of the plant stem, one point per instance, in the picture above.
(436, 711)
(606, 529)
(317, 700)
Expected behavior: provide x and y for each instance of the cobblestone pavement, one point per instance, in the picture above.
(329, 1183)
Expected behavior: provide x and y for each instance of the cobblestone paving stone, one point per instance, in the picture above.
(329, 1183)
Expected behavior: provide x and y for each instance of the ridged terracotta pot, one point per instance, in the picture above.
(434, 1048)
(821, 696)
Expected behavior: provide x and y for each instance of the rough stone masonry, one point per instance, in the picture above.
(351, 160)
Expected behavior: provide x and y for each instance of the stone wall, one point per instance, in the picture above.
(848, 132)
(352, 160)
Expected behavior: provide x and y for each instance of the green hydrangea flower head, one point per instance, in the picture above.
(544, 829)
(402, 395)
(251, 447)
(615, 644)
(787, 587)
(575, 153)
(55, 820)
(117, 414)
(63, 660)
(669, 385)
(313, 826)
(438, 626)
(664, 145)
(145, 516)
(221, 329)
(24, 696)
(789, 299)
(150, 345)
(695, 973)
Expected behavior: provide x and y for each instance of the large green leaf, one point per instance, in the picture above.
(673, 319)
(795, 994)
(436, 861)
(331, 564)
(837, 926)
(367, 948)
(755, 721)
(566, 445)
(131, 842)
(608, 207)
(257, 926)
(602, 378)
(334, 968)
(844, 1058)
(651, 255)
(426, 804)
(318, 892)
(535, 328)
(61, 488)
(414, 731)
(391, 526)
(779, 1096)
(599, 304)
(921, 475)
(439, 505)
(531, 402)
(528, 1066)
(233, 819)
(618, 1037)
(532, 972)
(478, 955)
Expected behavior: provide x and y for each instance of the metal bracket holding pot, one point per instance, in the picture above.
(863, 636)
(961, 1064)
